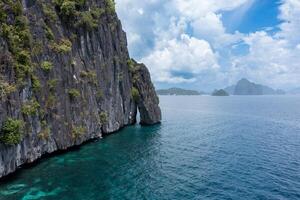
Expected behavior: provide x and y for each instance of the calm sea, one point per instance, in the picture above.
(234, 147)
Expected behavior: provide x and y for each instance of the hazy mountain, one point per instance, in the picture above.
(245, 87)
(220, 93)
(178, 91)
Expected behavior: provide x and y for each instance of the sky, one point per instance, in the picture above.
(211, 44)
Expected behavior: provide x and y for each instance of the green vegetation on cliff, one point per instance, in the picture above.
(135, 93)
(103, 117)
(11, 131)
(30, 108)
(87, 19)
(47, 66)
(6, 88)
(17, 34)
(74, 93)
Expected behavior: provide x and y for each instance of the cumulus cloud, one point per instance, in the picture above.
(177, 39)
(205, 18)
(192, 57)
(290, 15)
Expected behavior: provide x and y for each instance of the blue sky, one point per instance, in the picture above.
(261, 14)
(210, 44)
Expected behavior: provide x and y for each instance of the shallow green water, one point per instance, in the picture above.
(206, 148)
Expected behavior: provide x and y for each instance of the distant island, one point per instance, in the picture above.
(220, 93)
(245, 87)
(178, 92)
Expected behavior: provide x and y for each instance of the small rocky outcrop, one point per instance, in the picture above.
(220, 93)
(144, 94)
(65, 78)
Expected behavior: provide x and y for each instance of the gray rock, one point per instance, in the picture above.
(146, 99)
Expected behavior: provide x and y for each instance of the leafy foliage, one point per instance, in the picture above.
(47, 66)
(78, 131)
(6, 88)
(11, 131)
(135, 94)
(63, 46)
(30, 108)
(110, 6)
(49, 13)
(91, 76)
(74, 93)
(90, 19)
(14, 29)
(103, 117)
(36, 84)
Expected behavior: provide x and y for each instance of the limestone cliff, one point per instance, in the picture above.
(65, 78)
(144, 94)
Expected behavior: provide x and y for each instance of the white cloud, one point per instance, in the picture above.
(195, 8)
(290, 14)
(206, 20)
(186, 41)
(177, 56)
(203, 16)
(159, 37)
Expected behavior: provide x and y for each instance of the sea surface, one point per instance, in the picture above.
(238, 147)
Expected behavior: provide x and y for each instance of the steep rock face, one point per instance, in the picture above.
(65, 76)
(144, 94)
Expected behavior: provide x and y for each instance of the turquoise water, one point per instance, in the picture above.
(206, 148)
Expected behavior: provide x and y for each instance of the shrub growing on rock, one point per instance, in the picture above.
(110, 6)
(78, 131)
(135, 94)
(47, 66)
(64, 46)
(36, 84)
(87, 21)
(30, 108)
(6, 88)
(74, 93)
(103, 117)
(11, 132)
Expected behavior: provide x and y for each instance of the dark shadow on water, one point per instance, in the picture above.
(15, 175)
(45, 157)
